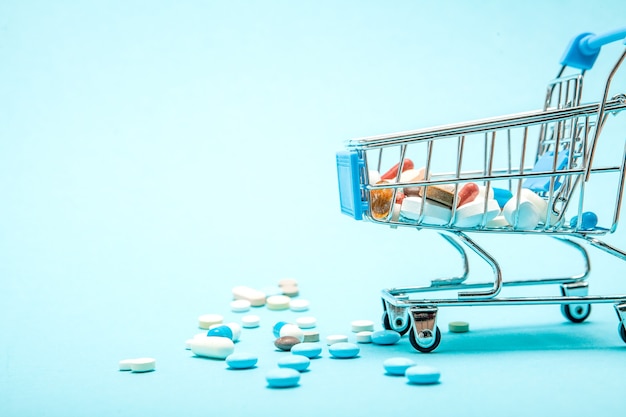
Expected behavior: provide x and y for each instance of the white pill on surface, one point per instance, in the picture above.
(205, 321)
(288, 282)
(306, 322)
(292, 330)
(240, 306)
(362, 326)
(278, 302)
(311, 336)
(143, 365)
(256, 297)
(212, 347)
(434, 213)
(299, 304)
(250, 321)
(364, 337)
(336, 338)
(124, 364)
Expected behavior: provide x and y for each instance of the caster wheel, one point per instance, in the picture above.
(622, 331)
(426, 348)
(576, 313)
(402, 330)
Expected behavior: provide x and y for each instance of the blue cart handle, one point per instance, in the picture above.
(583, 50)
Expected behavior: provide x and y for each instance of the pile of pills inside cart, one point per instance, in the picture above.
(293, 333)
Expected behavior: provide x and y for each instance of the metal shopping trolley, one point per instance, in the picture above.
(543, 172)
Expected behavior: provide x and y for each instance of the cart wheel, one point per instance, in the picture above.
(402, 330)
(429, 348)
(622, 331)
(576, 313)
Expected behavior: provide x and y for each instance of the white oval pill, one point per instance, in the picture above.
(256, 297)
(364, 337)
(143, 365)
(471, 214)
(278, 302)
(311, 336)
(240, 306)
(362, 326)
(306, 322)
(287, 282)
(434, 213)
(250, 321)
(336, 338)
(291, 330)
(530, 212)
(205, 321)
(299, 304)
(212, 347)
(124, 364)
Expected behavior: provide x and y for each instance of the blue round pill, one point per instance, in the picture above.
(397, 366)
(421, 374)
(221, 331)
(277, 327)
(344, 350)
(309, 349)
(589, 220)
(282, 378)
(241, 360)
(385, 337)
(298, 362)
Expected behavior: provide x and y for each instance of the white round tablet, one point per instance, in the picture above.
(240, 306)
(278, 302)
(250, 321)
(205, 321)
(299, 304)
(362, 326)
(306, 322)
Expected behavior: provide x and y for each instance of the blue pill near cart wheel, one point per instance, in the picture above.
(298, 362)
(589, 220)
(309, 349)
(241, 360)
(397, 366)
(385, 337)
(343, 350)
(282, 378)
(221, 331)
(423, 375)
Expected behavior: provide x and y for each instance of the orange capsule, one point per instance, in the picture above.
(393, 172)
(467, 193)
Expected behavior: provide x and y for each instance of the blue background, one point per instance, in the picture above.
(155, 154)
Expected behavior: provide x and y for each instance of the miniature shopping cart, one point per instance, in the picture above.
(544, 172)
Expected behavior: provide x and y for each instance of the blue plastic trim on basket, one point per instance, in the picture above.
(348, 173)
(584, 49)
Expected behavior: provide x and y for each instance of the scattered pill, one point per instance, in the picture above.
(434, 213)
(397, 366)
(276, 329)
(236, 329)
(472, 213)
(392, 173)
(344, 350)
(467, 193)
(286, 342)
(336, 338)
(221, 331)
(531, 210)
(289, 282)
(240, 306)
(143, 365)
(205, 321)
(589, 220)
(212, 347)
(309, 349)
(458, 326)
(290, 290)
(311, 336)
(421, 374)
(292, 330)
(250, 321)
(256, 297)
(380, 201)
(306, 322)
(124, 364)
(299, 304)
(385, 337)
(278, 302)
(298, 362)
(364, 337)
(502, 196)
(241, 360)
(412, 175)
(282, 378)
(362, 326)
(442, 194)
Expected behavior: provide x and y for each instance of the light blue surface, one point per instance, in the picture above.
(155, 154)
